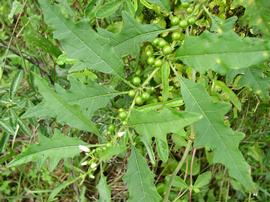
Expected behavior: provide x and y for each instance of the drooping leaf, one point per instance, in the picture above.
(133, 34)
(253, 78)
(211, 132)
(89, 97)
(82, 43)
(55, 106)
(158, 124)
(222, 51)
(53, 149)
(257, 14)
(140, 180)
(103, 190)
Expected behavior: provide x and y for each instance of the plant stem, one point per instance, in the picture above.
(180, 164)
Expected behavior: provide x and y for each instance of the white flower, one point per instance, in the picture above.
(93, 165)
(84, 163)
(120, 134)
(84, 148)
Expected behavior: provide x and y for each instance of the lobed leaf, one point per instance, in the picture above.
(55, 106)
(222, 52)
(211, 132)
(158, 124)
(140, 180)
(54, 149)
(81, 42)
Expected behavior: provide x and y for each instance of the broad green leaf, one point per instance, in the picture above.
(82, 43)
(108, 8)
(255, 79)
(103, 190)
(133, 34)
(15, 84)
(54, 149)
(211, 132)
(257, 14)
(158, 124)
(165, 74)
(55, 106)
(203, 179)
(222, 52)
(140, 180)
(89, 97)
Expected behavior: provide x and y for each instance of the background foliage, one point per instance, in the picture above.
(134, 100)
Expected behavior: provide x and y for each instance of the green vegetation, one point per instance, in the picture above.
(135, 100)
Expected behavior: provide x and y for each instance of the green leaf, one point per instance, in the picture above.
(257, 14)
(90, 97)
(54, 149)
(55, 106)
(108, 8)
(133, 34)
(93, 51)
(164, 4)
(203, 179)
(255, 79)
(158, 124)
(177, 102)
(140, 180)
(165, 74)
(60, 187)
(103, 190)
(222, 52)
(15, 84)
(211, 132)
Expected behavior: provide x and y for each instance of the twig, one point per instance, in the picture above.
(190, 175)
(179, 166)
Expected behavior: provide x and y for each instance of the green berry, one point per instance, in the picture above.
(158, 62)
(124, 123)
(191, 20)
(111, 128)
(121, 110)
(145, 96)
(167, 49)
(122, 115)
(156, 41)
(183, 23)
(136, 80)
(149, 53)
(174, 20)
(150, 60)
(176, 36)
(162, 43)
(131, 93)
(189, 10)
(139, 100)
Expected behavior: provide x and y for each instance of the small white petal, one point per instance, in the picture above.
(84, 163)
(120, 134)
(93, 165)
(84, 148)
